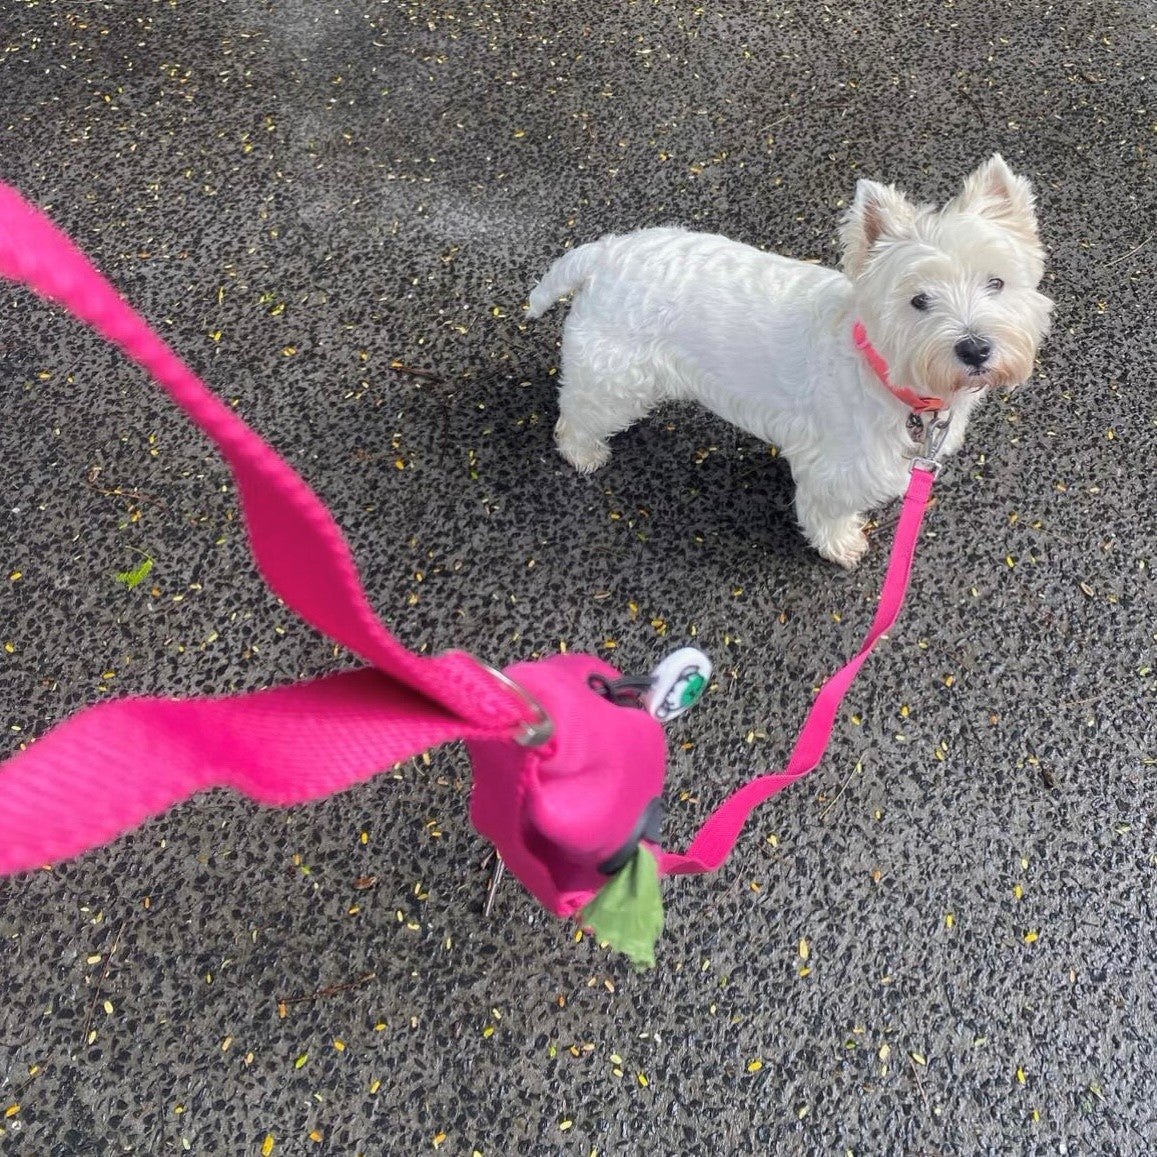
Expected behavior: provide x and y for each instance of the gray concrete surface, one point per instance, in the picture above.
(972, 867)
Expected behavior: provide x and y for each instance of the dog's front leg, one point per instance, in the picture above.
(836, 532)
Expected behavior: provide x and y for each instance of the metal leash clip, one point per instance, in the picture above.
(932, 441)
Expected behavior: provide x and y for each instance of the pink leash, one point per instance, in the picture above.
(715, 839)
(560, 774)
(86, 781)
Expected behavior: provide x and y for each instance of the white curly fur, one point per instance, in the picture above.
(766, 341)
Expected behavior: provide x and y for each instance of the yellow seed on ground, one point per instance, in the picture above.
(267, 1145)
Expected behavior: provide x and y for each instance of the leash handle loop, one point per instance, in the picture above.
(113, 765)
(298, 547)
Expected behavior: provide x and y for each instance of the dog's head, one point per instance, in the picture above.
(949, 297)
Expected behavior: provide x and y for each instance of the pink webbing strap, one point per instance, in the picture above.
(296, 543)
(715, 839)
(109, 768)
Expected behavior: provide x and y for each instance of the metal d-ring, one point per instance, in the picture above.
(535, 732)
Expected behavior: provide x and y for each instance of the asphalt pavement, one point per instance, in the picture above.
(940, 942)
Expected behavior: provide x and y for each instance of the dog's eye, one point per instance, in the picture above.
(995, 285)
(921, 302)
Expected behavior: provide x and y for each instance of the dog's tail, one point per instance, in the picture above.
(566, 275)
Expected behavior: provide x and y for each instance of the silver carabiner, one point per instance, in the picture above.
(932, 441)
(534, 732)
(935, 432)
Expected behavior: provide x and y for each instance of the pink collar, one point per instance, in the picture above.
(917, 403)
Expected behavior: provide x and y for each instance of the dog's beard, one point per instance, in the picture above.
(933, 367)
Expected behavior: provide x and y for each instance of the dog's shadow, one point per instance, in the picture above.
(690, 474)
(704, 474)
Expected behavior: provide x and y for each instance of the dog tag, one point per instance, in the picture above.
(677, 683)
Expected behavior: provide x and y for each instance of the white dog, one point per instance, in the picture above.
(932, 308)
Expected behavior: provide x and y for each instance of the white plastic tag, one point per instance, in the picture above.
(677, 683)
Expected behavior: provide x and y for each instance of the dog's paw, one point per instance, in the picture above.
(584, 453)
(845, 546)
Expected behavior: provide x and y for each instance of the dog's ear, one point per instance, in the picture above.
(996, 192)
(878, 212)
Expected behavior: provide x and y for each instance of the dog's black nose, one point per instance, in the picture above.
(973, 351)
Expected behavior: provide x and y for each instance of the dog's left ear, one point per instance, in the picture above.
(996, 192)
(877, 213)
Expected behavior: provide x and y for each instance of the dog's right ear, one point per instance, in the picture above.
(996, 192)
(878, 212)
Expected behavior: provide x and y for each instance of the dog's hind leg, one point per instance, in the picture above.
(594, 404)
